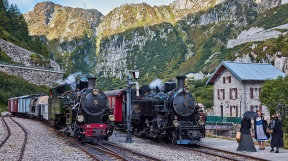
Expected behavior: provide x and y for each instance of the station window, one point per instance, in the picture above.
(233, 93)
(255, 93)
(221, 94)
(254, 108)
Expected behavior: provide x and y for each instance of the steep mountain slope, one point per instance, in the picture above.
(201, 38)
(130, 16)
(69, 32)
(163, 41)
(65, 23)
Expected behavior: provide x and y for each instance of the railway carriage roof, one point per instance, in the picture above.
(18, 97)
(247, 71)
(116, 92)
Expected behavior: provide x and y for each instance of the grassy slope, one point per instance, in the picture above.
(13, 86)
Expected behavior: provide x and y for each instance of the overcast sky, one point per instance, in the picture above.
(104, 6)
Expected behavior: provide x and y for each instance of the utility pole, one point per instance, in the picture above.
(128, 103)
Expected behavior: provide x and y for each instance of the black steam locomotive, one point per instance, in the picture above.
(83, 114)
(164, 114)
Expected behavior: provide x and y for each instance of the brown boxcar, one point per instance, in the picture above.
(13, 105)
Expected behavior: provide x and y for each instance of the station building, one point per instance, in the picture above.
(237, 87)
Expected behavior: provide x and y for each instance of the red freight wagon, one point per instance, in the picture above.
(115, 98)
(13, 105)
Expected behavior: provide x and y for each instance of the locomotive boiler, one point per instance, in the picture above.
(83, 113)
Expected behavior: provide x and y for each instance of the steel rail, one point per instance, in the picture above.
(8, 132)
(133, 152)
(25, 138)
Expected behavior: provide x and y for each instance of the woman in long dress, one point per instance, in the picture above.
(260, 126)
(277, 134)
(246, 142)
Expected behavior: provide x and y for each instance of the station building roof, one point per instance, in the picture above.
(247, 71)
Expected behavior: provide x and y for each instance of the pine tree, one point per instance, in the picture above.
(18, 27)
(4, 20)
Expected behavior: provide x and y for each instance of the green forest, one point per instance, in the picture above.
(14, 29)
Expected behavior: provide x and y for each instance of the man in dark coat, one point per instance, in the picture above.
(277, 134)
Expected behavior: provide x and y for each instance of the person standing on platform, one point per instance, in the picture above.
(246, 142)
(260, 126)
(277, 134)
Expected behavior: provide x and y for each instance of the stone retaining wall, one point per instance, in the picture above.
(22, 55)
(33, 75)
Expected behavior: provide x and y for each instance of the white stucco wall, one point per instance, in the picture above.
(243, 92)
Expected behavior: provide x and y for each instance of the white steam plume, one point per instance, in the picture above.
(71, 80)
(157, 82)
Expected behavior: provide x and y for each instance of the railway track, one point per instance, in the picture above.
(13, 142)
(8, 132)
(109, 151)
(223, 154)
(213, 152)
(129, 154)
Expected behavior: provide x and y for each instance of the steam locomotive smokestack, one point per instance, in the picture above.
(91, 82)
(181, 81)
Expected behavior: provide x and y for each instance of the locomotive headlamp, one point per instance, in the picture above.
(111, 117)
(176, 123)
(95, 92)
(80, 118)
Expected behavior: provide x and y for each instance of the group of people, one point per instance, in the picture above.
(261, 133)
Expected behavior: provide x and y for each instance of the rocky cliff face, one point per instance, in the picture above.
(121, 52)
(64, 23)
(186, 30)
(69, 32)
(137, 15)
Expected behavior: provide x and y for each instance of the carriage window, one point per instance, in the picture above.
(33, 109)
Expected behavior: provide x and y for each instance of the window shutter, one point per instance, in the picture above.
(236, 93)
(260, 107)
(218, 93)
(223, 93)
(231, 110)
(236, 110)
(251, 93)
(223, 80)
(251, 108)
(230, 93)
(229, 79)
